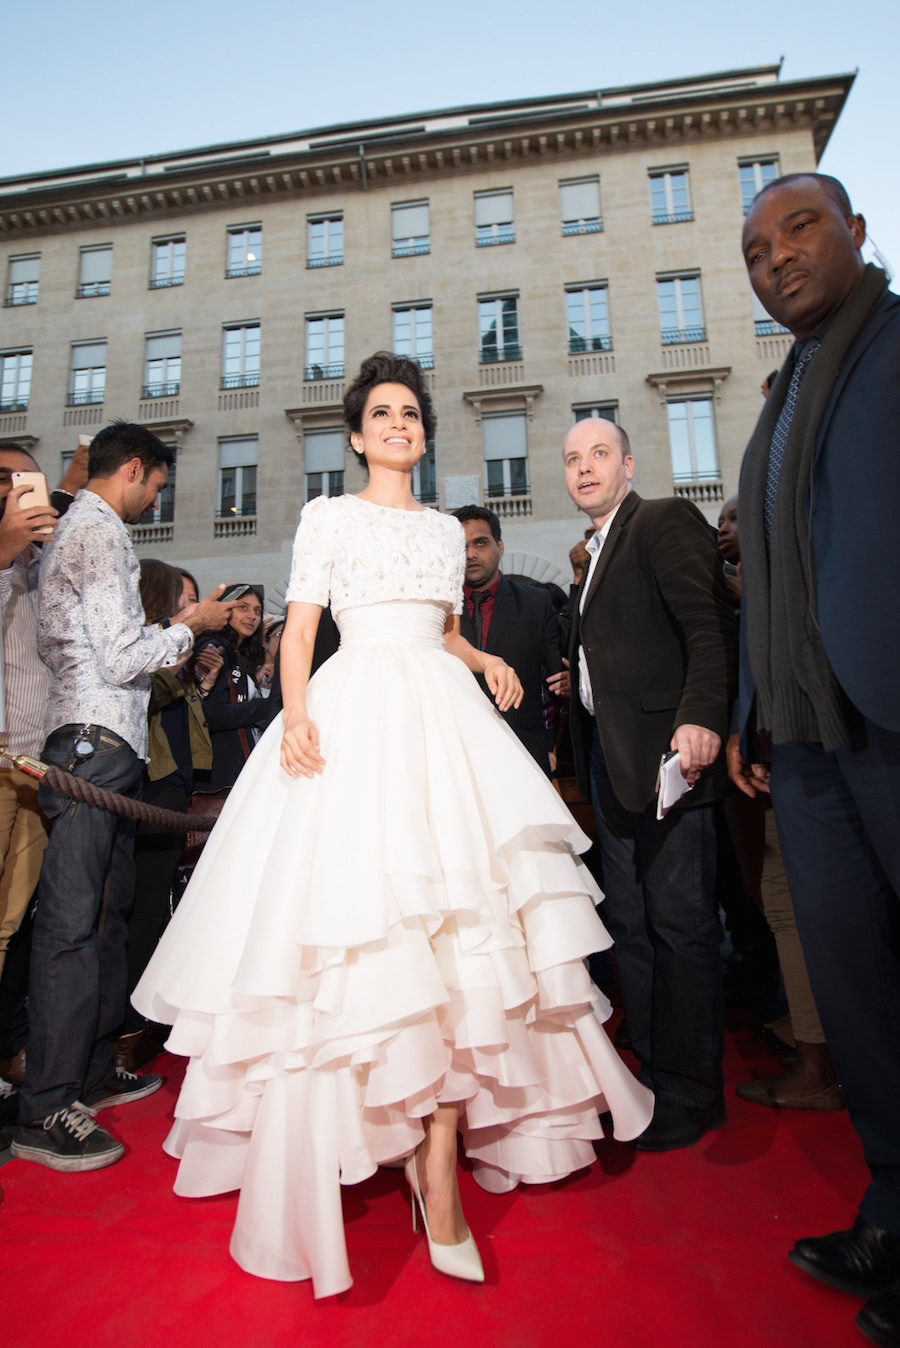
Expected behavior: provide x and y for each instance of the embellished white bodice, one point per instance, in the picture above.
(352, 552)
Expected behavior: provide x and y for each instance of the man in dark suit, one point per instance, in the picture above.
(819, 710)
(515, 621)
(652, 652)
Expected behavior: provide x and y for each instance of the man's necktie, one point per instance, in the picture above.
(781, 432)
(478, 599)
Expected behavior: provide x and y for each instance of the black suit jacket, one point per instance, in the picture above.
(852, 509)
(524, 631)
(660, 636)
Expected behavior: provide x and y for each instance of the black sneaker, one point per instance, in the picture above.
(118, 1088)
(66, 1140)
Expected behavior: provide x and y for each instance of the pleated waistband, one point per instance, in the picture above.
(393, 623)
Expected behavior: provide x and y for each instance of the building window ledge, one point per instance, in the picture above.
(16, 301)
(169, 390)
(16, 405)
(510, 507)
(92, 289)
(254, 269)
(79, 399)
(673, 218)
(579, 346)
(492, 355)
(767, 327)
(337, 260)
(152, 533)
(411, 249)
(161, 282)
(494, 240)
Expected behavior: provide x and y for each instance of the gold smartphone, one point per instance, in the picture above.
(37, 496)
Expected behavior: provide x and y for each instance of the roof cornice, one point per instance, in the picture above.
(554, 129)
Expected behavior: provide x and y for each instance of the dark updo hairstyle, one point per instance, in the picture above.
(386, 368)
(160, 586)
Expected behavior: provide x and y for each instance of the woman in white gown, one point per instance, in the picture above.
(408, 959)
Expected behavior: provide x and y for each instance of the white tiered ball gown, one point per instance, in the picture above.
(406, 929)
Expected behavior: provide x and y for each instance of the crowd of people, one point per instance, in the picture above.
(345, 1005)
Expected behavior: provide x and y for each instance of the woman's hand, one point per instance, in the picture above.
(300, 755)
(503, 681)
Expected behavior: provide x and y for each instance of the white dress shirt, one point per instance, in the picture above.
(595, 547)
(91, 630)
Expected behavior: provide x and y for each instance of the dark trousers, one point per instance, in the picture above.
(157, 853)
(660, 909)
(838, 817)
(77, 984)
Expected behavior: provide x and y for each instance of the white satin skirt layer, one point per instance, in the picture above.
(407, 929)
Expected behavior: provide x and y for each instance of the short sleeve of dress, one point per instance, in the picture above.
(310, 581)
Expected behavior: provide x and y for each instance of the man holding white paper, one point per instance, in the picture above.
(654, 642)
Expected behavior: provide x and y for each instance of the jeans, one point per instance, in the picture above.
(77, 984)
(661, 911)
(837, 819)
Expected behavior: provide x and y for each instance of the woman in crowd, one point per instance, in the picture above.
(272, 630)
(235, 713)
(178, 744)
(384, 940)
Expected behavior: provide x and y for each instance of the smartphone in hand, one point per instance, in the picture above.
(37, 496)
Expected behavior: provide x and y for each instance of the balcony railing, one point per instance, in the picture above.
(579, 345)
(411, 247)
(492, 355)
(503, 234)
(93, 395)
(160, 282)
(21, 293)
(671, 336)
(583, 226)
(249, 269)
(234, 526)
(15, 405)
(249, 379)
(424, 362)
(767, 327)
(169, 390)
(89, 289)
(333, 371)
(672, 217)
(332, 260)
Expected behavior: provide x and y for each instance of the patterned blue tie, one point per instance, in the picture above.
(782, 430)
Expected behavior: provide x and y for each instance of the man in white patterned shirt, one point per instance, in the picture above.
(100, 653)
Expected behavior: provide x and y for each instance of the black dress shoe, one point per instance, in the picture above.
(675, 1126)
(862, 1261)
(879, 1319)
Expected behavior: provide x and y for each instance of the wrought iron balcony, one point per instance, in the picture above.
(411, 247)
(424, 362)
(21, 292)
(249, 379)
(492, 355)
(90, 289)
(579, 345)
(92, 395)
(160, 282)
(504, 234)
(332, 260)
(672, 217)
(671, 336)
(333, 371)
(15, 405)
(583, 226)
(767, 327)
(249, 269)
(169, 390)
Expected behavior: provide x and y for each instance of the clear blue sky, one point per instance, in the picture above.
(107, 79)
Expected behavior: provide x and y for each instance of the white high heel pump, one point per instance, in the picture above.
(457, 1261)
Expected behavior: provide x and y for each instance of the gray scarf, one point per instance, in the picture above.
(798, 697)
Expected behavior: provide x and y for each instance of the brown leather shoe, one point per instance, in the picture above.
(131, 1051)
(767, 1091)
(13, 1069)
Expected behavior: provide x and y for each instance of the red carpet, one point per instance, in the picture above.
(686, 1248)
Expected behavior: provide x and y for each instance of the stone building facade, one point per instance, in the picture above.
(543, 260)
